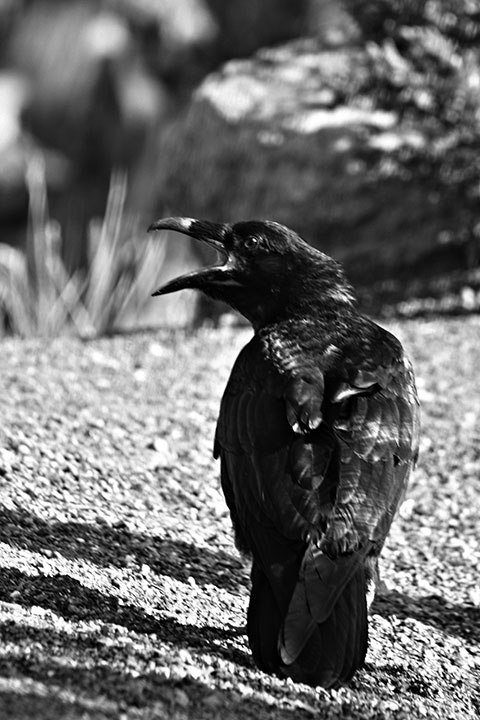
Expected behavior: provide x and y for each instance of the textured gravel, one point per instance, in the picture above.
(121, 594)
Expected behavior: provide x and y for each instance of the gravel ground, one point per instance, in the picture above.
(121, 593)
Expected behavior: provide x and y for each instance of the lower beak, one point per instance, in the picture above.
(212, 234)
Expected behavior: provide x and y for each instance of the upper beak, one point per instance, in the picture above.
(212, 234)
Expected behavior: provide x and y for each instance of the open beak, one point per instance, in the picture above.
(212, 234)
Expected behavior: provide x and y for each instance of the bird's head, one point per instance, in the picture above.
(266, 271)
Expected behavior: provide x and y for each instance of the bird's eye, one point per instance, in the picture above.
(251, 242)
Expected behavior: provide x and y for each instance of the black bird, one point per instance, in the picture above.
(317, 434)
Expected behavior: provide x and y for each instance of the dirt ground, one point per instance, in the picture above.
(121, 593)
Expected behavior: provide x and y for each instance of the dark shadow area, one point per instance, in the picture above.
(73, 672)
(453, 619)
(68, 598)
(70, 667)
(400, 681)
(142, 691)
(420, 683)
(114, 685)
(29, 706)
(105, 545)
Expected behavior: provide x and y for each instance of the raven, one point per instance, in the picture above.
(317, 435)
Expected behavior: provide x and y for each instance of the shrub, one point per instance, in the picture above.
(38, 295)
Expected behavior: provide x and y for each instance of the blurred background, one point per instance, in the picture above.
(357, 123)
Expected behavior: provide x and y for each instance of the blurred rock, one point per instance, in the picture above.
(349, 141)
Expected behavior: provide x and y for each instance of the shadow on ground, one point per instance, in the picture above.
(454, 619)
(67, 597)
(105, 545)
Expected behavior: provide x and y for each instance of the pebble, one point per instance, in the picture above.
(24, 449)
(29, 462)
(157, 350)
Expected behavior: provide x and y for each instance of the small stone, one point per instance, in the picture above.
(474, 596)
(103, 383)
(184, 655)
(161, 445)
(7, 458)
(156, 349)
(162, 455)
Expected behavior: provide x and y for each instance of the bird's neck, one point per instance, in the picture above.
(309, 307)
(304, 297)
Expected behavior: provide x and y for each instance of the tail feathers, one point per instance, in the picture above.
(327, 653)
(321, 582)
(297, 628)
(264, 621)
(322, 638)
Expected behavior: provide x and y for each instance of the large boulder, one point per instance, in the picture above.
(363, 143)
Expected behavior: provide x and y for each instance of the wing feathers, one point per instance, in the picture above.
(303, 401)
